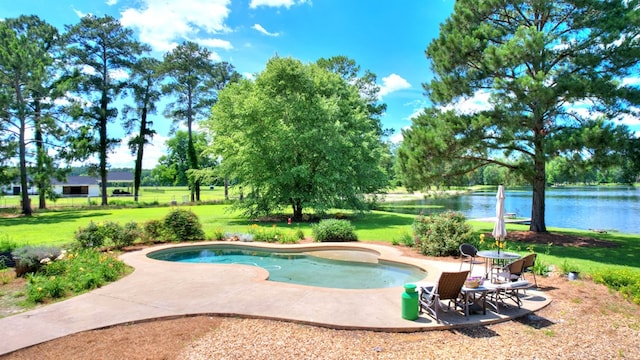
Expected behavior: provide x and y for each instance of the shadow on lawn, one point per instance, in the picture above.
(51, 218)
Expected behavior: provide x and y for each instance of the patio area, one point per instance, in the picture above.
(158, 289)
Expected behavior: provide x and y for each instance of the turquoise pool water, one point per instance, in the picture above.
(342, 269)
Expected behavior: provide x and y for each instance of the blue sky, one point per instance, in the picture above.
(386, 37)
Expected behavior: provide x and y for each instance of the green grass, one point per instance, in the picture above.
(58, 227)
(148, 195)
(587, 259)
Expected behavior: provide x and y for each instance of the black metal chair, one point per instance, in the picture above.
(468, 253)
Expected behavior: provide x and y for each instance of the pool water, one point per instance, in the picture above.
(323, 268)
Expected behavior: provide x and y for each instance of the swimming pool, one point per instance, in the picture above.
(331, 268)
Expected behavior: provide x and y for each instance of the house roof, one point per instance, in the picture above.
(119, 176)
(76, 180)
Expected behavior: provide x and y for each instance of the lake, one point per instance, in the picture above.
(590, 207)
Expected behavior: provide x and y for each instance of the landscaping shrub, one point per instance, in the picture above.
(72, 273)
(625, 281)
(333, 230)
(29, 259)
(275, 234)
(183, 225)
(441, 234)
(405, 239)
(108, 233)
(90, 236)
(127, 235)
(153, 230)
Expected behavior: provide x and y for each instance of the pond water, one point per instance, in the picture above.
(322, 268)
(590, 207)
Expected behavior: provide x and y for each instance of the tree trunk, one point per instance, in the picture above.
(297, 209)
(24, 183)
(137, 173)
(41, 170)
(539, 185)
(22, 153)
(102, 125)
(226, 188)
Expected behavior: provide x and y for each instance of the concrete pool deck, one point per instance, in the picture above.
(159, 289)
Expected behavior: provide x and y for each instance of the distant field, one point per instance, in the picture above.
(148, 195)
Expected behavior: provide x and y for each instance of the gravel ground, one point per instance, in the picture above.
(584, 321)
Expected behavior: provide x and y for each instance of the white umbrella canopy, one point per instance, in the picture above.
(499, 230)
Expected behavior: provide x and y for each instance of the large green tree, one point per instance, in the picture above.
(299, 136)
(103, 51)
(554, 74)
(27, 48)
(194, 80)
(146, 91)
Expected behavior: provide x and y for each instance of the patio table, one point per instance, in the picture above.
(475, 296)
(499, 258)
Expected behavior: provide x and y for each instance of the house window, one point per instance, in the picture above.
(75, 190)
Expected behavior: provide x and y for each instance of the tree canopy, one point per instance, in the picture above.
(555, 78)
(101, 48)
(194, 79)
(299, 136)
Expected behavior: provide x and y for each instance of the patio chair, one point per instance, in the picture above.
(468, 253)
(510, 272)
(507, 291)
(447, 288)
(529, 266)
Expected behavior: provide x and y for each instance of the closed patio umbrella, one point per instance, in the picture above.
(499, 230)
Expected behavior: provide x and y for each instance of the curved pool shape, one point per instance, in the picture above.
(334, 268)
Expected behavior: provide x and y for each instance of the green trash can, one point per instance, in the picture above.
(410, 302)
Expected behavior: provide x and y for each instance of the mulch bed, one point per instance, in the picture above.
(556, 239)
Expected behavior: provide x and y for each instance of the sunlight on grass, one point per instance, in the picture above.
(58, 228)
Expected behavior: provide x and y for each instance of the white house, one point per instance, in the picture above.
(80, 186)
(76, 186)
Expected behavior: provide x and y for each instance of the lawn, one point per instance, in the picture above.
(58, 227)
(148, 195)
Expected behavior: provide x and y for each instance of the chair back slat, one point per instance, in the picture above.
(529, 261)
(450, 284)
(516, 267)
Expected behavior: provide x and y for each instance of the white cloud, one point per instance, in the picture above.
(122, 158)
(397, 137)
(631, 120)
(118, 74)
(214, 43)
(393, 83)
(479, 102)
(259, 28)
(80, 14)
(276, 3)
(164, 23)
(631, 81)
(111, 2)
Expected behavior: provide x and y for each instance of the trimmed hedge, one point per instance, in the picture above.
(334, 230)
